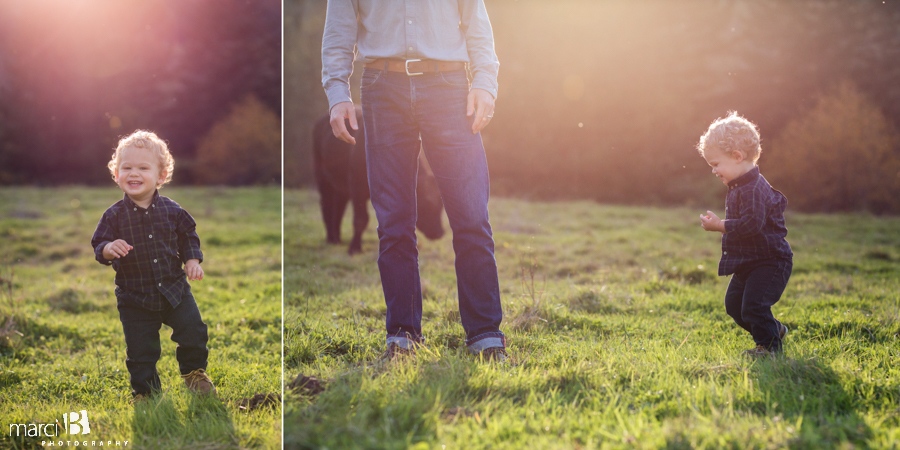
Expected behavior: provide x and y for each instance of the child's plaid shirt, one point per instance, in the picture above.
(754, 223)
(163, 236)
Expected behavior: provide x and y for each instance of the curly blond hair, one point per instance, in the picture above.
(150, 141)
(733, 133)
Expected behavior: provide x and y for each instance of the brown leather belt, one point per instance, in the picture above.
(415, 66)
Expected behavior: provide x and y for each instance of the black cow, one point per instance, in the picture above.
(340, 170)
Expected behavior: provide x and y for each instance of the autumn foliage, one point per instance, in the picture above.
(840, 155)
(243, 148)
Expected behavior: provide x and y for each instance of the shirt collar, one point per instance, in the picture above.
(131, 205)
(744, 179)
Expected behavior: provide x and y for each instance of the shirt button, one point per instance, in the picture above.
(135, 209)
(410, 22)
(154, 260)
(151, 236)
(160, 284)
(410, 49)
(724, 253)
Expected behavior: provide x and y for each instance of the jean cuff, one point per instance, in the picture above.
(485, 341)
(404, 340)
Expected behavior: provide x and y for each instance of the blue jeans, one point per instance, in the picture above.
(750, 296)
(398, 110)
(143, 350)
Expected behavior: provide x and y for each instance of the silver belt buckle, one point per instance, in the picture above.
(407, 67)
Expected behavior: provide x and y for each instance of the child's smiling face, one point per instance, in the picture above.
(727, 167)
(139, 173)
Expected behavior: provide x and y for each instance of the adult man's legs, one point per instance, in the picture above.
(396, 109)
(392, 148)
(458, 161)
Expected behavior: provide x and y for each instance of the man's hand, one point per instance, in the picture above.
(339, 112)
(116, 249)
(481, 104)
(712, 222)
(193, 270)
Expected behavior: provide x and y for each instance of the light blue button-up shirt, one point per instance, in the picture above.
(442, 30)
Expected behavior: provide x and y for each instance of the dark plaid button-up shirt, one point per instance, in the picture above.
(754, 223)
(163, 236)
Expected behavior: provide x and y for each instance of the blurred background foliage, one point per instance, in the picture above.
(77, 76)
(242, 148)
(606, 100)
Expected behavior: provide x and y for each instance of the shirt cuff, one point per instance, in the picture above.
(193, 254)
(482, 83)
(730, 225)
(337, 94)
(98, 253)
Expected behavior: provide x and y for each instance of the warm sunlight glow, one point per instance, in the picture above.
(573, 87)
(98, 39)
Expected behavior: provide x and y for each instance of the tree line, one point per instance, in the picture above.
(77, 76)
(606, 100)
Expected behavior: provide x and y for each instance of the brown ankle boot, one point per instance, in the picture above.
(198, 382)
(759, 352)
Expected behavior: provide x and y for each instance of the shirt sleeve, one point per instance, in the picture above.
(338, 50)
(188, 240)
(476, 25)
(105, 233)
(752, 215)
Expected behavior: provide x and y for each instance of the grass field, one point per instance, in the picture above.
(620, 341)
(61, 342)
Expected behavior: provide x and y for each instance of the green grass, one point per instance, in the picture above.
(64, 349)
(621, 340)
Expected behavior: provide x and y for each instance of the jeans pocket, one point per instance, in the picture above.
(457, 78)
(370, 77)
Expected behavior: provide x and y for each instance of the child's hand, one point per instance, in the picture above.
(712, 222)
(193, 270)
(116, 249)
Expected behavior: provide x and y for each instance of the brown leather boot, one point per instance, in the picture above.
(198, 382)
(758, 352)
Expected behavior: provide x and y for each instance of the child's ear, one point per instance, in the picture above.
(738, 156)
(162, 177)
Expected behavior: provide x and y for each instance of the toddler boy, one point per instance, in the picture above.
(754, 248)
(146, 237)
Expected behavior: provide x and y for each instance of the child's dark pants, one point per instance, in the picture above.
(141, 328)
(750, 297)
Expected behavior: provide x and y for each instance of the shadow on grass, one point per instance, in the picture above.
(385, 405)
(161, 422)
(811, 393)
(804, 398)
